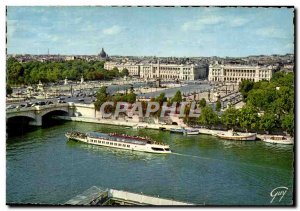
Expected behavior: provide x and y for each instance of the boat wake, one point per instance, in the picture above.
(227, 161)
(192, 156)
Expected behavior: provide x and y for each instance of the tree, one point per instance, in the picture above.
(101, 97)
(161, 98)
(208, 117)
(177, 97)
(33, 71)
(244, 87)
(248, 117)
(288, 123)
(218, 105)
(103, 90)
(125, 72)
(202, 103)
(267, 121)
(9, 90)
(230, 117)
(130, 98)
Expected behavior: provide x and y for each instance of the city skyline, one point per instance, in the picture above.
(150, 31)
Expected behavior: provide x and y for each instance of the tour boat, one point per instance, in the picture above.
(231, 135)
(121, 141)
(177, 130)
(191, 131)
(278, 140)
(138, 127)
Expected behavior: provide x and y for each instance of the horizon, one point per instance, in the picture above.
(150, 56)
(150, 31)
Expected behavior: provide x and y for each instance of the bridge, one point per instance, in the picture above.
(35, 114)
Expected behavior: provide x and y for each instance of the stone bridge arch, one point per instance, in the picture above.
(37, 113)
(20, 114)
(47, 111)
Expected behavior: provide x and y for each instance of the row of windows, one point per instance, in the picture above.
(109, 143)
(240, 74)
(240, 70)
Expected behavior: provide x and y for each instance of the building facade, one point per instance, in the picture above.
(162, 71)
(133, 69)
(237, 73)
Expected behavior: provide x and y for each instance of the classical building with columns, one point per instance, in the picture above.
(237, 73)
(133, 69)
(162, 71)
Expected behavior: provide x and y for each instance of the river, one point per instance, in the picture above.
(43, 167)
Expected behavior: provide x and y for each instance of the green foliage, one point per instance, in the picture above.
(208, 117)
(9, 90)
(288, 123)
(248, 117)
(161, 98)
(267, 121)
(34, 71)
(177, 97)
(244, 87)
(202, 103)
(125, 72)
(101, 97)
(230, 117)
(276, 96)
(283, 79)
(130, 98)
(218, 105)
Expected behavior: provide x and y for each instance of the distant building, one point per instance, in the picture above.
(133, 69)
(162, 71)
(102, 55)
(237, 73)
(70, 58)
(289, 68)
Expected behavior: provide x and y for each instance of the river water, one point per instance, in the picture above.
(43, 167)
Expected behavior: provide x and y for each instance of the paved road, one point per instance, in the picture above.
(88, 95)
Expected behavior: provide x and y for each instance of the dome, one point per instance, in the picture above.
(102, 54)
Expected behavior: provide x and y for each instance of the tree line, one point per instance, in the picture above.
(269, 106)
(52, 71)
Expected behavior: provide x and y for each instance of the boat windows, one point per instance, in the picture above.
(111, 143)
(115, 144)
(167, 149)
(157, 149)
(107, 142)
(128, 145)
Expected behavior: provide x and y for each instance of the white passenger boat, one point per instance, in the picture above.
(138, 127)
(231, 135)
(177, 130)
(278, 139)
(191, 131)
(121, 141)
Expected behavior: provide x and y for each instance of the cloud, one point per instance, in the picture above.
(214, 19)
(112, 30)
(272, 32)
(238, 21)
(289, 46)
(200, 23)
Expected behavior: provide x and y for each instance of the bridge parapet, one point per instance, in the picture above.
(37, 112)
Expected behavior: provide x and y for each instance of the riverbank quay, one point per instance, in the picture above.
(144, 125)
(96, 196)
(118, 122)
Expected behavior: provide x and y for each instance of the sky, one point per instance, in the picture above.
(150, 31)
